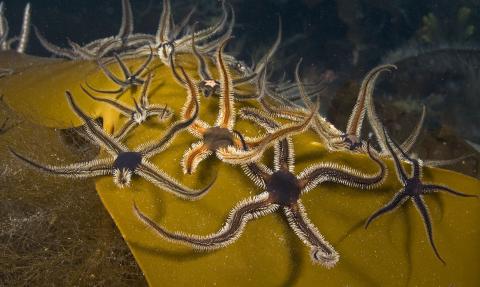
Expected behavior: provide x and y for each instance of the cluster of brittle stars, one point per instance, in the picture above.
(282, 188)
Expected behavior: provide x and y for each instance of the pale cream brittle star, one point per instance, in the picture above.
(283, 108)
(140, 113)
(168, 34)
(123, 41)
(413, 188)
(20, 40)
(123, 163)
(364, 105)
(219, 138)
(282, 191)
(351, 139)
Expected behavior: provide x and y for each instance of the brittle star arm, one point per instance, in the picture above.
(124, 110)
(178, 28)
(412, 138)
(144, 66)
(144, 101)
(122, 85)
(153, 148)
(400, 171)
(265, 59)
(123, 67)
(145, 104)
(322, 252)
(428, 188)
(443, 162)
(322, 127)
(202, 65)
(232, 229)
(331, 172)
(422, 208)
(373, 119)
(165, 25)
(398, 199)
(94, 131)
(54, 49)
(226, 114)
(126, 27)
(261, 86)
(234, 156)
(256, 171)
(154, 175)
(283, 157)
(171, 58)
(3, 27)
(364, 99)
(208, 32)
(25, 32)
(193, 156)
(82, 52)
(212, 44)
(126, 128)
(199, 127)
(79, 170)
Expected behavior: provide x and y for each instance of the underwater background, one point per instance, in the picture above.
(53, 237)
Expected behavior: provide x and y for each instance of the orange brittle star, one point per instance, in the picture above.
(219, 138)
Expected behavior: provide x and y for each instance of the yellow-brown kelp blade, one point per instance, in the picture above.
(394, 251)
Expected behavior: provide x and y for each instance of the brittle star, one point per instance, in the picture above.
(283, 108)
(137, 115)
(131, 79)
(22, 39)
(365, 105)
(413, 188)
(96, 49)
(219, 138)
(209, 86)
(282, 190)
(123, 162)
(167, 35)
(233, 155)
(351, 139)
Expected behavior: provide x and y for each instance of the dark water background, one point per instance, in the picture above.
(345, 38)
(323, 32)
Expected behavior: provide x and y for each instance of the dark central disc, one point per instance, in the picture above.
(283, 188)
(216, 138)
(128, 160)
(413, 187)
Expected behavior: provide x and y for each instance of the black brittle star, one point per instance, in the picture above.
(413, 188)
(130, 79)
(137, 115)
(282, 190)
(123, 162)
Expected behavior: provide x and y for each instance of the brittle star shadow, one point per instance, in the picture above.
(407, 231)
